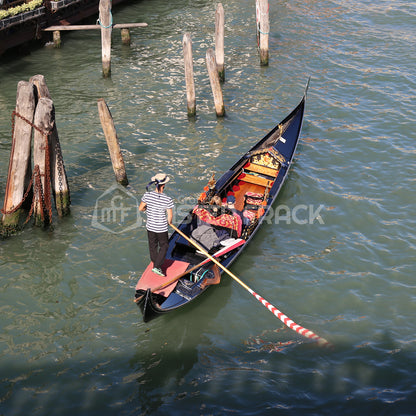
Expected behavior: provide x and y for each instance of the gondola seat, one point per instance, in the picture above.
(253, 205)
(231, 223)
(255, 179)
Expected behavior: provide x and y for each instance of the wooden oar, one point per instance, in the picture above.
(288, 322)
(219, 253)
(223, 251)
(163, 285)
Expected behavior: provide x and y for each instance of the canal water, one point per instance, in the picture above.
(338, 255)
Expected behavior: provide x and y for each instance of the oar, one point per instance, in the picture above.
(287, 321)
(163, 285)
(217, 254)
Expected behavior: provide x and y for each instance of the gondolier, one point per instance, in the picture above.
(159, 210)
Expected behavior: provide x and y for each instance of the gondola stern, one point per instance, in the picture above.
(147, 305)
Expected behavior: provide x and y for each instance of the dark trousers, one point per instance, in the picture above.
(158, 247)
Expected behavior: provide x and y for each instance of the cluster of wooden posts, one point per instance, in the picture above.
(215, 60)
(216, 71)
(105, 24)
(30, 189)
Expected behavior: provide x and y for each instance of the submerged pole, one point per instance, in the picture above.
(189, 75)
(106, 23)
(125, 36)
(215, 83)
(219, 40)
(57, 39)
(110, 134)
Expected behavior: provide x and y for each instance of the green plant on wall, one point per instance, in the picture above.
(13, 11)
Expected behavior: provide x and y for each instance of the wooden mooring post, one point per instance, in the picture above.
(34, 112)
(44, 121)
(263, 28)
(215, 83)
(19, 164)
(59, 181)
(189, 74)
(106, 23)
(219, 40)
(57, 39)
(110, 134)
(125, 36)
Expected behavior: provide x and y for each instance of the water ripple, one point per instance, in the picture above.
(72, 340)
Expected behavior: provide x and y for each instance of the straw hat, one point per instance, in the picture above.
(160, 179)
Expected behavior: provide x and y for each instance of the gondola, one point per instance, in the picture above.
(254, 182)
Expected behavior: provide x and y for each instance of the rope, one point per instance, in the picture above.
(111, 22)
(198, 278)
(261, 14)
(263, 33)
(42, 196)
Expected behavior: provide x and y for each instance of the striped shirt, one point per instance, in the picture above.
(156, 206)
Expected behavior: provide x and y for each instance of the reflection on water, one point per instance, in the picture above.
(72, 339)
(170, 348)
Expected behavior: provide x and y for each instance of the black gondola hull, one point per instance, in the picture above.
(260, 172)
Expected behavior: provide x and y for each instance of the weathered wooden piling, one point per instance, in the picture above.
(44, 120)
(215, 83)
(189, 74)
(41, 89)
(34, 112)
(59, 181)
(219, 40)
(106, 22)
(263, 27)
(19, 165)
(125, 36)
(110, 134)
(57, 39)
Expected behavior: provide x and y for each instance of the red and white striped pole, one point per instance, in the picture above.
(288, 322)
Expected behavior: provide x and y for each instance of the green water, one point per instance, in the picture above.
(71, 338)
